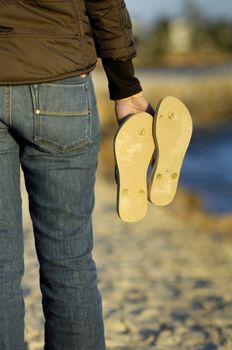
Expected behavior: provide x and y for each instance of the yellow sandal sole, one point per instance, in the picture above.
(133, 150)
(172, 131)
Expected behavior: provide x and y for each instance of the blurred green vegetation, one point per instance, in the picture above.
(187, 40)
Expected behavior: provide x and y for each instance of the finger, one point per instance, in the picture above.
(122, 119)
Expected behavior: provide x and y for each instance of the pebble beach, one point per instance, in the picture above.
(165, 284)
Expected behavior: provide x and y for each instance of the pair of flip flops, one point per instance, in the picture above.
(149, 153)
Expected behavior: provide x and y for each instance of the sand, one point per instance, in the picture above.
(165, 284)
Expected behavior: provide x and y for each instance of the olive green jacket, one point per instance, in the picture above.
(43, 40)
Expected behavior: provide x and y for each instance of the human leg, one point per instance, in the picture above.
(59, 173)
(12, 308)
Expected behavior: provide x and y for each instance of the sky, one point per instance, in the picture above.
(150, 10)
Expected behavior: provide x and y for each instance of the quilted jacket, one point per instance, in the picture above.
(44, 40)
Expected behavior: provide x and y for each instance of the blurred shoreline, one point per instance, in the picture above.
(187, 59)
(207, 92)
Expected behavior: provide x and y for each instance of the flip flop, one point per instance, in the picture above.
(133, 149)
(172, 131)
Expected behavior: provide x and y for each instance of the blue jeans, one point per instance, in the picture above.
(52, 129)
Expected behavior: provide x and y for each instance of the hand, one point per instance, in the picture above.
(134, 104)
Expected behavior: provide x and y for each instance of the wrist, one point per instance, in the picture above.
(139, 94)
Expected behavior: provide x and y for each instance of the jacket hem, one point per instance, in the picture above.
(48, 78)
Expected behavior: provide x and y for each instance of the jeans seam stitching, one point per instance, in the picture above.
(10, 116)
(78, 114)
(60, 147)
(7, 105)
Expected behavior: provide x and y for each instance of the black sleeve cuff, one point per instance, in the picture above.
(121, 80)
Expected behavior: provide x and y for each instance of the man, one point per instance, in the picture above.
(49, 125)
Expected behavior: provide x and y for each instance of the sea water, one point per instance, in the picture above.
(207, 168)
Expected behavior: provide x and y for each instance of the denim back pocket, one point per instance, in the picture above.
(62, 114)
